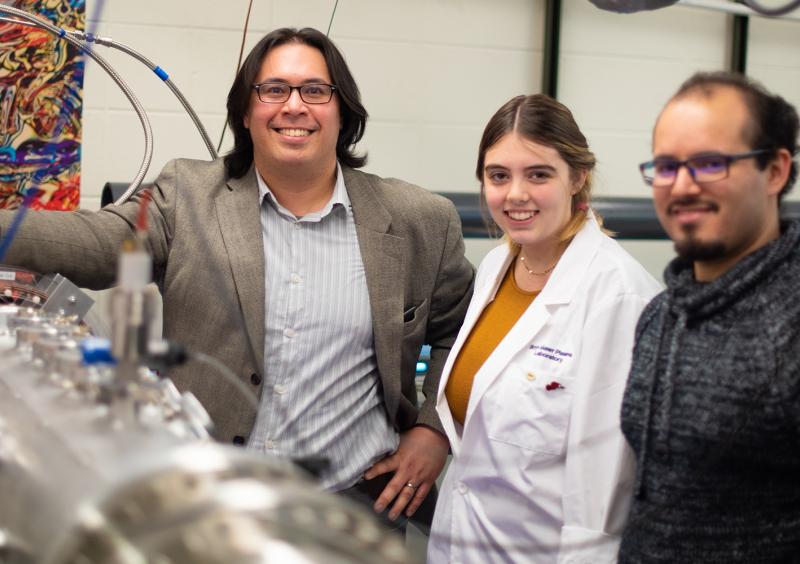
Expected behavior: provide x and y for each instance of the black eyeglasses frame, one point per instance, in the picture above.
(257, 88)
(692, 169)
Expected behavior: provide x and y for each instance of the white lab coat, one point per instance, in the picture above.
(544, 476)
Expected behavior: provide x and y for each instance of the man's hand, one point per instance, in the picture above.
(417, 461)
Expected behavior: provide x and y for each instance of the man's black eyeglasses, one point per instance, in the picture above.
(279, 92)
(710, 167)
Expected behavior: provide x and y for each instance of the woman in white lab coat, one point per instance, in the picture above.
(531, 392)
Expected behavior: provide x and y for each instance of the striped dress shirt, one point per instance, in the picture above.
(321, 395)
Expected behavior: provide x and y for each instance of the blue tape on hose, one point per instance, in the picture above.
(161, 73)
(95, 350)
(62, 32)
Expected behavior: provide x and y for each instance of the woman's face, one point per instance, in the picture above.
(528, 191)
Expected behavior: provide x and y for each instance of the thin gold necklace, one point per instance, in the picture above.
(531, 272)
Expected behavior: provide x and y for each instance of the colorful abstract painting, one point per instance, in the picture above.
(41, 84)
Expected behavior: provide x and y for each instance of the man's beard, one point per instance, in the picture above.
(692, 249)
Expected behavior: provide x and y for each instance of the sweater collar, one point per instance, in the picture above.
(686, 299)
(700, 299)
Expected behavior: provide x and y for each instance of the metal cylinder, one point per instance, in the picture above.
(98, 470)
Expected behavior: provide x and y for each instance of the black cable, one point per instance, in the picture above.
(238, 64)
(330, 23)
(768, 11)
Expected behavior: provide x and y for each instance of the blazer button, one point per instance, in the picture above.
(255, 379)
(238, 440)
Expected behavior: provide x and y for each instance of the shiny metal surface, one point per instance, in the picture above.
(100, 469)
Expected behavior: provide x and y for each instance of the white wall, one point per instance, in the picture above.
(618, 70)
(773, 59)
(431, 73)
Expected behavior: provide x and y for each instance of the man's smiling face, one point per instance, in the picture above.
(718, 222)
(293, 133)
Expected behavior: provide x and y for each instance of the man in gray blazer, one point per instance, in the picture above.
(316, 283)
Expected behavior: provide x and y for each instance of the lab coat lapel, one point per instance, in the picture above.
(485, 290)
(558, 292)
(523, 331)
(483, 295)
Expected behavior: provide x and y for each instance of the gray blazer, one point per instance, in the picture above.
(208, 257)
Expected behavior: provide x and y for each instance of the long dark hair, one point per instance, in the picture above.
(353, 115)
(543, 120)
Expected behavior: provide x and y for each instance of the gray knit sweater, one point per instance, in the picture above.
(712, 411)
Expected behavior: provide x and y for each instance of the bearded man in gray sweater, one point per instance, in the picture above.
(712, 406)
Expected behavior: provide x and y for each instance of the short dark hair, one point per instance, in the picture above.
(773, 124)
(353, 115)
(543, 120)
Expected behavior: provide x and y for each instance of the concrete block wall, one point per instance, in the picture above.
(618, 70)
(773, 59)
(431, 73)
